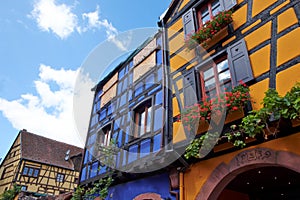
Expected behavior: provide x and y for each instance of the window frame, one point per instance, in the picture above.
(143, 107)
(31, 170)
(60, 177)
(201, 7)
(214, 65)
(105, 141)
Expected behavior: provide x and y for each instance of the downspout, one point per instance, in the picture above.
(168, 145)
(181, 186)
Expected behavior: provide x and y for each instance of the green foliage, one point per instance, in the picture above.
(10, 194)
(78, 194)
(291, 103)
(257, 122)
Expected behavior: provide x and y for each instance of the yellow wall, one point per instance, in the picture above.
(266, 53)
(196, 176)
(257, 34)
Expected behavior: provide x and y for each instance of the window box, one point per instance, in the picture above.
(210, 31)
(215, 39)
(234, 115)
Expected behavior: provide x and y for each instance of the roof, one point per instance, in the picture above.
(44, 150)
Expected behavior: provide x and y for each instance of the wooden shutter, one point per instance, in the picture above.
(239, 63)
(189, 88)
(227, 4)
(188, 23)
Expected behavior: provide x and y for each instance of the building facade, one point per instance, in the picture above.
(129, 112)
(41, 166)
(184, 110)
(253, 42)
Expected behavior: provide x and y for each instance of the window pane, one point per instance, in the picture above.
(148, 128)
(132, 153)
(145, 148)
(149, 81)
(138, 89)
(142, 123)
(156, 142)
(94, 169)
(30, 172)
(83, 174)
(159, 74)
(36, 173)
(211, 93)
(124, 87)
(102, 114)
(25, 170)
(222, 65)
(211, 83)
(159, 57)
(158, 119)
(123, 99)
(158, 98)
(224, 76)
(121, 73)
(205, 15)
(208, 73)
(216, 8)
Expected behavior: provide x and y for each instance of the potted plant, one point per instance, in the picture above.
(209, 30)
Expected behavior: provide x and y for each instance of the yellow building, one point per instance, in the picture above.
(256, 42)
(41, 166)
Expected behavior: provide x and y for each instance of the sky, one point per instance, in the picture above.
(43, 44)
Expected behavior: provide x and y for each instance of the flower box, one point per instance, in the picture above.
(234, 115)
(217, 37)
(203, 126)
(211, 29)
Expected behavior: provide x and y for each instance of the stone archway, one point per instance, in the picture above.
(242, 162)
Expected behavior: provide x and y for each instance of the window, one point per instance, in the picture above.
(29, 171)
(104, 136)
(142, 119)
(60, 177)
(207, 11)
(23, 188)
(204, 12)
(215, 78)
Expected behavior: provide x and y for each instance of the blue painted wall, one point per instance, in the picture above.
(159, 184)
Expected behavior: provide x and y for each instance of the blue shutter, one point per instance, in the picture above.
(227, 4)
(189, 88)
(239, 63)
(188, 23)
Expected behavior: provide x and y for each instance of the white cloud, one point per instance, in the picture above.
(94, 22)
(59, 18)
(50, 112)
(55, 17)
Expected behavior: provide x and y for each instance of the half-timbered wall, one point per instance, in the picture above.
(266, 33)
(46, 179)
(9, 166)
(139, 88)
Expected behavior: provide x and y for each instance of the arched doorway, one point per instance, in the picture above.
(255, 174)
(262, 183)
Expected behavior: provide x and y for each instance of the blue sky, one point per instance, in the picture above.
(42, 45)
